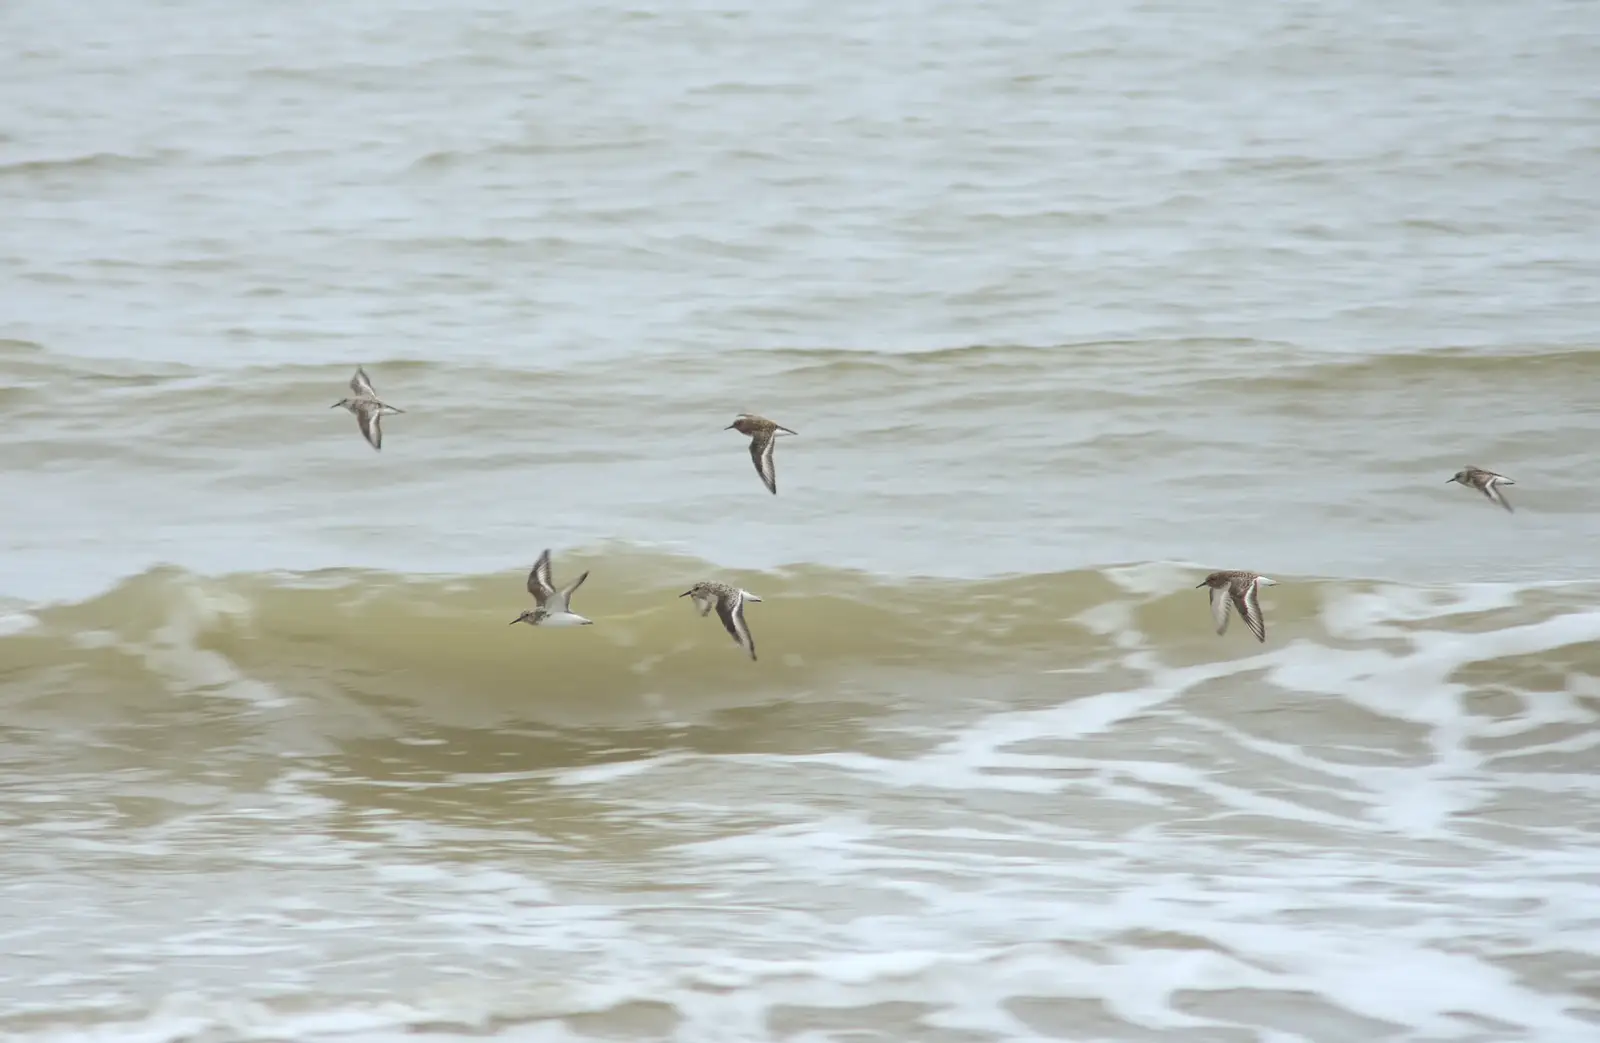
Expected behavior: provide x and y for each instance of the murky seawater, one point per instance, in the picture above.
(1068, 308)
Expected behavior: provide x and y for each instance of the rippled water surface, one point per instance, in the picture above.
(1069, 306)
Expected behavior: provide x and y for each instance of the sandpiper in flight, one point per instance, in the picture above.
(1239, 590)
(368, 410)
(729, 602)
(763, 433)
(1486, 482)
(555, 606)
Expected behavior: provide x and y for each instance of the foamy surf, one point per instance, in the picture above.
(1378, 825)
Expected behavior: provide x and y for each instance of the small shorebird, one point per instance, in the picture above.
(368, 410)
(763, 433)
(729, 602)
(1239, 590)
(554, 605)
(1486, 482)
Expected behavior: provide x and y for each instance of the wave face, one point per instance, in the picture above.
(442, 643)
(439, 639)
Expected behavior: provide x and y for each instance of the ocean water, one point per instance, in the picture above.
(1069, 305)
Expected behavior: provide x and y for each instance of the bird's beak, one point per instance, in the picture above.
(688, 592)
(1197, 586)
(1447, 481)
(514, 622)
(336, 405)
(728, 428)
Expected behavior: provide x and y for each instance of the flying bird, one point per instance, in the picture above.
(554, 606)
(1240, 590)
(729, 603)
(1486, 482)
(763, 433)
(368, 410)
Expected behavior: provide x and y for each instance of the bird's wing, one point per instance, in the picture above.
(1249, 604)
(761, 454)
(731, 609)
(539, 578)
(563, 598)
(1220, 603)
(371, 422)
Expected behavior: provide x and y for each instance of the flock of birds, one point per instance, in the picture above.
(1231, 589)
